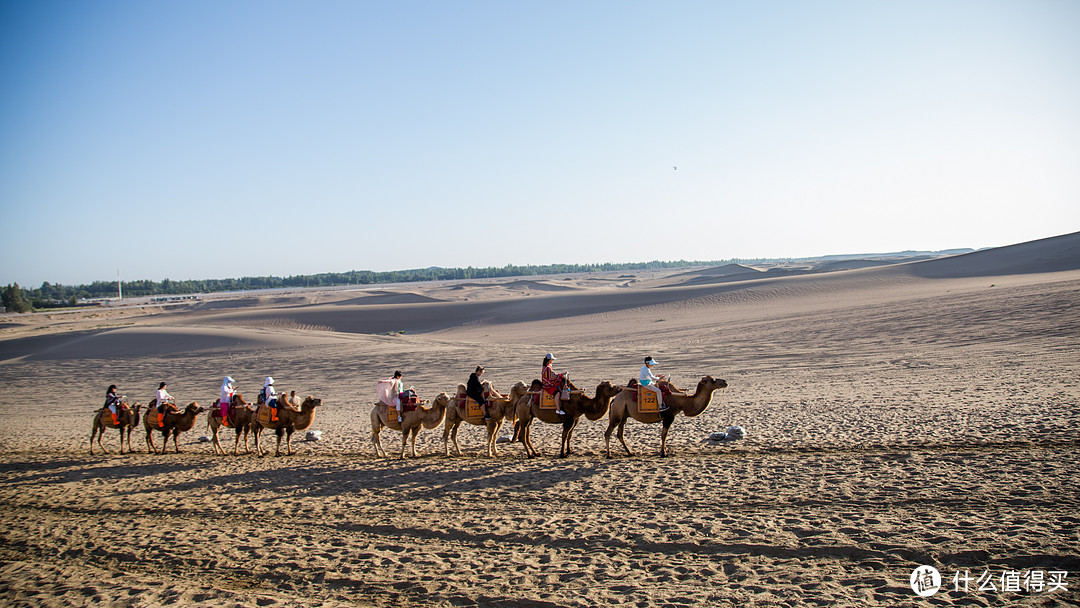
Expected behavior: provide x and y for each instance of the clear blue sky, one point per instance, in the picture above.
(214, 139)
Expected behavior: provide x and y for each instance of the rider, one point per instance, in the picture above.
(164, 399)
(112, 401)
(268, 393)
(553, 382)
(228, 389)
(475, 390)
(397, 388)
(649, 381)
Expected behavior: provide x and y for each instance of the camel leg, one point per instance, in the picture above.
(258, 448)
(375, 443)
(150, 449)
(121, 441)
(607, 436)
(457, 449)
(492, 435)
(521, 433)
(279, 432)
(526, 435)
(447, 429)
(412, 442)
(93, 434)
(622, 426)
(568, 429)
(288, 441)
(663, 436)
(175, 441)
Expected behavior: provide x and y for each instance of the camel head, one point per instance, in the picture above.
(440, 401)
(708, 383)
(309, 403)
(193, 408)
(517, 390)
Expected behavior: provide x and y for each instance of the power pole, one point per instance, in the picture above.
(119, 286)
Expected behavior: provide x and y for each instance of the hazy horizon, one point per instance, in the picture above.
(200, 139)
(764, 260)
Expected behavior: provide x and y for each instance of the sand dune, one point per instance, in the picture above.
(896, 416)
(1055, 254)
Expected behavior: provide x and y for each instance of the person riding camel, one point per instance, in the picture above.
(396, 388)
(228, 389)
(269, 396)
(553, 383)
(164, 400)
(651, 382)
(475, 390)
(267, 393)
(112, 402)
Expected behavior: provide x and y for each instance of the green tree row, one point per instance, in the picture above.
(51, 295)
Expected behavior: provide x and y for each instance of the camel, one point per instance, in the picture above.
(289, 420)
(175, 423)
(126, 420)
(499, 408)
(577, 405)
(410, 424)
(624, 407)
(241, 416)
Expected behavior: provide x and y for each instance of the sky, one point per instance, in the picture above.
(218, 139)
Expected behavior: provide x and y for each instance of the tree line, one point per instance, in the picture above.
(55, 295)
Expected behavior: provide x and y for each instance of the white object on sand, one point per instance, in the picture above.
(313, 436)
(736, 432)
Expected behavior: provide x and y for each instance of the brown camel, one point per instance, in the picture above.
(499, 408)
(289, 420)
(410, 425)
(577, 405)
(174, 424)
(126, 419)
(624, 407)
(240, 417)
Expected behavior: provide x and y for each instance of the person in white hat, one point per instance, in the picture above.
(553, 383)
(268, 393)
(649, 381)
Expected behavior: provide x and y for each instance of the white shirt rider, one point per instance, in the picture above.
(268, 390)
(648, 380)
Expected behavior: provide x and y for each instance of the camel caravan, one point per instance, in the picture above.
(551, 399)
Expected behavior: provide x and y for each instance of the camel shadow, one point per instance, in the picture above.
(54, 472)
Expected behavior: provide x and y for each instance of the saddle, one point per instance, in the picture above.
(471, 407)
(406, 407)
(267, 412)
(215, 412)
(665, 389)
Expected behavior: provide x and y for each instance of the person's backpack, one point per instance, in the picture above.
(408, 397)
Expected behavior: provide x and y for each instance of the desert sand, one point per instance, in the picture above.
(896, 415)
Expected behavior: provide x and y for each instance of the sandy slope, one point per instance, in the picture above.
(922, 413)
